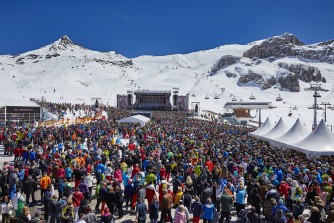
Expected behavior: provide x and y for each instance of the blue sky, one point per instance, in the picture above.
(159, 27)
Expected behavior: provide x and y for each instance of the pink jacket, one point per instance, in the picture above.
(118, 175)
(180, 217)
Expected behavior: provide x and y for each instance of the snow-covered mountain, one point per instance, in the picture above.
(65, 71)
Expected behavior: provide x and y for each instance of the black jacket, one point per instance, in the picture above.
(29, 186)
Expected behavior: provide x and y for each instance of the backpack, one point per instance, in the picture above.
(279, 216)
(67, 189)
(216, 171)
(243, 219)
(299, 192)
(59, 207)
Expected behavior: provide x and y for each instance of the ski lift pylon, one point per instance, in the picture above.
(279, 98)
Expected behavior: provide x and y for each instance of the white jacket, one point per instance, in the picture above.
(6, 208)
(89, 180)
(16, 197)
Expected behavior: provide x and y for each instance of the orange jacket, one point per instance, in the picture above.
(45, 182)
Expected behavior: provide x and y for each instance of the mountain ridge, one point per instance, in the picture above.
(70, 72)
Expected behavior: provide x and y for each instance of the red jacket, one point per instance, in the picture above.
(284, 189)
(162, 173)
(134, 171)
(77, 197)
(150, 192)
(210, 165)
(17, 151)
(61, 173)
(118, 175)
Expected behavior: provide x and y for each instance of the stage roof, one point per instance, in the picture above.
(247, 105)
(151, 92)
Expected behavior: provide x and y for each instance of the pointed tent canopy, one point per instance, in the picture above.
(266, 127)
(279, 129)
(317, 143)
(296, 133)
(142, 120)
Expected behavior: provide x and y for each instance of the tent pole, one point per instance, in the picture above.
(259, 117)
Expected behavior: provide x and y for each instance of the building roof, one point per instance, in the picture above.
(18, 102)
(151, 92)
(247, 105)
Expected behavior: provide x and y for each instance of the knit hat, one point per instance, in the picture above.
(280, 201)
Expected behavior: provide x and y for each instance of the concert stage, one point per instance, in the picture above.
(152, 100)
(149, 100)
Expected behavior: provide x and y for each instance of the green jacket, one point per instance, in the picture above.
(97, 191)
(150, 178)
(226, 202)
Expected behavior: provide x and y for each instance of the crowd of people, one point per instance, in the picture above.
(174, 169)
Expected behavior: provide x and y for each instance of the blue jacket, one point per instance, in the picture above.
(280, 207)
(20, 175)
(240, 197)
(197, 209)
(68, 172)
(208, 210)
(128, 190)
(32, 155)
(279, 175)
(99, 168)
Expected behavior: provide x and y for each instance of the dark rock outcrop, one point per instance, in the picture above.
(289, 45)
(224, 62)
(303, 72)
(288, 81)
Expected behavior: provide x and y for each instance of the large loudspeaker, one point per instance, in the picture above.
(129, 99)
(196, 108)
(175, 99)
(96, 104)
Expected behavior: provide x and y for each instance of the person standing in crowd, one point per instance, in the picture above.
(90, 216)
(89, 181)
(25, 216)
(154, 210)
(60, 205)
(255, 200)
(208, 210)
(18, 202)
(46, 199)
(77, 197)
(119, 201)
(83, 187)
(44, 183)
(240, 198)
(197, 209)
(128, 193)
(279, 211)
(12, 182)
(226, 202)
(29, 188)
(180, 216)
(166, 206)
(141, 210)
(53, 208)
(77, 176)
(5, 209)
(68, 173)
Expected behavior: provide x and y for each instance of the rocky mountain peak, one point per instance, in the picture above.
(62, 44)
(292, 39)
(65, 40)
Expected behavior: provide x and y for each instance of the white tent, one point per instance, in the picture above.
(279, 129)
(317, 143)
(296, 133)
(142, 120)
(266, 127)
